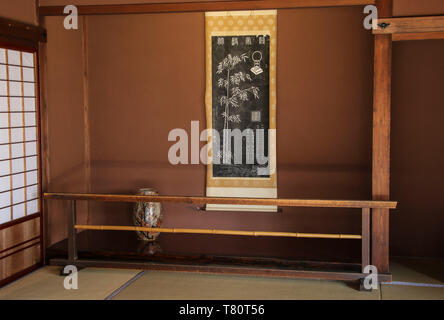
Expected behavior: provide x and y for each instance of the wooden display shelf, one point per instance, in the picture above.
(365, 237)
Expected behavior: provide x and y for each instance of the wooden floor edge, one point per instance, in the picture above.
(20, 274)
(227, 270)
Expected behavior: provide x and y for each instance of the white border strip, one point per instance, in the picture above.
(414, 284)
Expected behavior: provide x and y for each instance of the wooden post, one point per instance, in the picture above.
(381, 141)
(365, 238)
(72, 233)
(86, 130)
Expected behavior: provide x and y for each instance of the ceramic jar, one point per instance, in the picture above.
(147, 214)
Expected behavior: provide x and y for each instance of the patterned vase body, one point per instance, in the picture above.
(147, 214)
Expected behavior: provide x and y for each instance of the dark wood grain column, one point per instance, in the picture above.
(381, 141)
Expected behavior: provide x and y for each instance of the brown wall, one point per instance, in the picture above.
(64, 116)
(146, 77)
(417, 148)
(417, 7)
(20, 10)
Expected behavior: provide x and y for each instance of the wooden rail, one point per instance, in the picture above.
(200, 6)
(217, 200)
(412, 25)
(418, 36)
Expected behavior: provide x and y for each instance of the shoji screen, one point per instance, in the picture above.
(19, 176)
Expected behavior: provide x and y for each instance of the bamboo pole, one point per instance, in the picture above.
(222, 232)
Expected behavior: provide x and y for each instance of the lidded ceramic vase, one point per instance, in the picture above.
(147, 214)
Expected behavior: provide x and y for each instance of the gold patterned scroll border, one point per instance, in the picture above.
(263, 22)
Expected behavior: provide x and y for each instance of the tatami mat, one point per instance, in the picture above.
(413, 278)
(398, 292)
(47, 284)
(417, 270)
(176, 286)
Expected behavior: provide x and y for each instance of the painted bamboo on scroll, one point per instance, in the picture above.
(240, 101)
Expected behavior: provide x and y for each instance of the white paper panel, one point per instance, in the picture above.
(13, 57)
(14, 73)
(29, 104)
(16, 120)
(31, 177)
(17, 150)
(31, 148)
(5, 184)
(15, 104)
(18, 180)
(33, 206)
(20, 83)
(5, 168)
(18, 196)
(32, 192)
(4, 136)
(30, 119)
(4, 120)
(5, 199)
(3, 88)
(30, 134)
(4, 152)
(5, 215)
(4, 103)
(28, 59)
(18, 165)
(17, 134)
(28, 74)
(15, 89)
(31, 163)
(29, 89)
(2, 56)
(18, 211)
(2, 72)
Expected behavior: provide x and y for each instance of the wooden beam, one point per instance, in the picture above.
(218, 200)
(418, 36)
(212, 269)
(86, 123)
(43, 125)
(410, 25)
(381, 142)
(200, 6)
(365, 245)
(19, 30)
(385, 8)
(72, 233)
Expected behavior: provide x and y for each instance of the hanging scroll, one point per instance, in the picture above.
(241, 106)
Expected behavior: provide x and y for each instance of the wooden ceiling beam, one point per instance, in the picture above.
(19, 30)
(200, 6)
(429, 24)
(417, 36)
